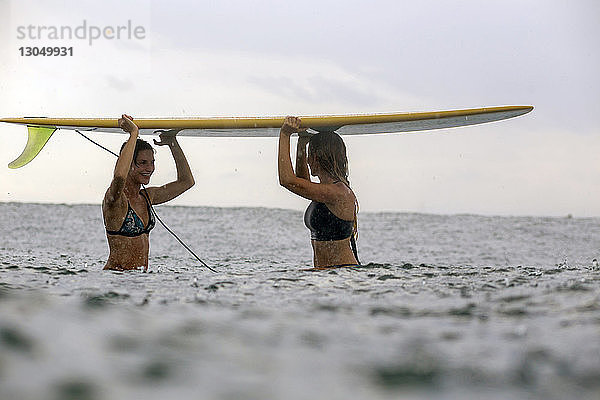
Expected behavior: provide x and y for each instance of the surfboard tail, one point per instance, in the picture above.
(37, 137)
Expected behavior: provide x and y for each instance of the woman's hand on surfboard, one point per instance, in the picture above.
(166, 138)
(126, 123)
(290, 125)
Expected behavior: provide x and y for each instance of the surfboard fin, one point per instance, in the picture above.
(37, 138)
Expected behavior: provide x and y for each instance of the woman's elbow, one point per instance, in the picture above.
(288, 184)
(190, 183)
(187, 183)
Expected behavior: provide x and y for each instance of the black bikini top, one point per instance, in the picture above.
(324, 225)
(132, 224)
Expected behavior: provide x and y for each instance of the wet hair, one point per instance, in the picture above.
(140, 145)
(328, 150)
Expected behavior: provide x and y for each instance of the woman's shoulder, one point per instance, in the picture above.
(345, 198)
(345, 190)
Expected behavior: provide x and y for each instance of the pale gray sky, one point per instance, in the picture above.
(207, 58)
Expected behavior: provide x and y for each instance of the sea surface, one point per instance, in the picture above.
(445, 307)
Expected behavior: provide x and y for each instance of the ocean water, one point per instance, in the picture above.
(446, 307)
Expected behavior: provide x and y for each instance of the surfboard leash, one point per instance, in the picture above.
(153, 210)
(175, 236)
(98, 144)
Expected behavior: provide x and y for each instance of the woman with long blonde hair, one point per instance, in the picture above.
(331, 216)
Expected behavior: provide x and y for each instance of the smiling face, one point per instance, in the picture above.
(142, 167)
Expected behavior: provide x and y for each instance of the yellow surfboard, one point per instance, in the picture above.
(41, 129)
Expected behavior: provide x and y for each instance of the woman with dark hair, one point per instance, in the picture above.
(331, 216)
(127, 208)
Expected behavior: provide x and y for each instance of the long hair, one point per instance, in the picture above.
(140, 145)
(329, 151)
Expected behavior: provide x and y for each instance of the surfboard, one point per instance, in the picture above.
(41, 129)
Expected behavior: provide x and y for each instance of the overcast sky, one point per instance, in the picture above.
(241, 58)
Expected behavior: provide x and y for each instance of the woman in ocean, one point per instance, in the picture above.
(331, 216)
(127, 207)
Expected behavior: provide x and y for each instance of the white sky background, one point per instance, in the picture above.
(240, 58)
